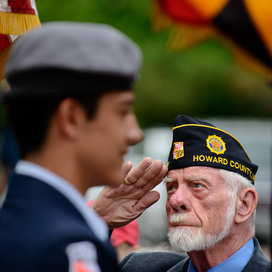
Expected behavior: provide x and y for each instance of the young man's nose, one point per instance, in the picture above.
(135, 134)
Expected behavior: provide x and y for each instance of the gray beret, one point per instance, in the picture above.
(71, 58)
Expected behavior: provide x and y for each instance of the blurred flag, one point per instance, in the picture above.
(16, 17)
(243, 25)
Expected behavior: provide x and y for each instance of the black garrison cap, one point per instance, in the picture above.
(197, 143)
(64, 58)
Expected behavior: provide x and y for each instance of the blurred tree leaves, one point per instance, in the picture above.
(203, 81)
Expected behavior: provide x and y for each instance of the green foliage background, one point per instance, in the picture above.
(203, 81)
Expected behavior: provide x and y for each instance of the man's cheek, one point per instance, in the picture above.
(168, 212)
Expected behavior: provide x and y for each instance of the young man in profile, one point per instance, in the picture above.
(70, 107)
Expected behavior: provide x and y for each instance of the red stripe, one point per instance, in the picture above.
(182, 11)
(21, 6)
(4, 42)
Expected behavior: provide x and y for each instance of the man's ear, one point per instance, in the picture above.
(69, 118)
(246, 204)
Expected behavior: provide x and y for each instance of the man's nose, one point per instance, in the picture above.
(179, 201)
(135, 134)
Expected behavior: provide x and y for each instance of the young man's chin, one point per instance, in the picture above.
(112, 178)
(115, 182)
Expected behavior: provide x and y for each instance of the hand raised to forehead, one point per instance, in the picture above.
(119, 206)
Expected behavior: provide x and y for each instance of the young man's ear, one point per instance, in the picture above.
(246, 204)
(70, 116)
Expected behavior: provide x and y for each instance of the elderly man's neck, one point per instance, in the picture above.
(208, 258)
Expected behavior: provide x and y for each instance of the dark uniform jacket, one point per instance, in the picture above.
(37, 223)
(174, 262)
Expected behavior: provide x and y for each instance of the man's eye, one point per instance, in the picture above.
(170, 188)
(198, 185)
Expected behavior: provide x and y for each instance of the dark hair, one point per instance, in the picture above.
(30, 119)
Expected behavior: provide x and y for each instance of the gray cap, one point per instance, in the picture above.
(71, 58)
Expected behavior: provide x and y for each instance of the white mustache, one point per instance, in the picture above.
(178, 217)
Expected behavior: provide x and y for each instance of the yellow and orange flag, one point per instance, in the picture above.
(16, 18)
(245, 26)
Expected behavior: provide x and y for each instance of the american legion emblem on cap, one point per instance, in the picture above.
(216, 144)
(198, 143)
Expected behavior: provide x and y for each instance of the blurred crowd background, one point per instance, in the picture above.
(202, 81)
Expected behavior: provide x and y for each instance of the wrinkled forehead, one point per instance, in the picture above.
(194, 173)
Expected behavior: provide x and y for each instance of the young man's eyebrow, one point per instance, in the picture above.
(127, 101)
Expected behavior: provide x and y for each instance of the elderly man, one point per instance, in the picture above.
(210, 205)
(70, 107)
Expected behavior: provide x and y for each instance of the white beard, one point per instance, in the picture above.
(192, 238)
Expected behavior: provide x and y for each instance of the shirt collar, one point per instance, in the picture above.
(235, 263)
(97, 225)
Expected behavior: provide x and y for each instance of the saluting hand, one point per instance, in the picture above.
(119, 206)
